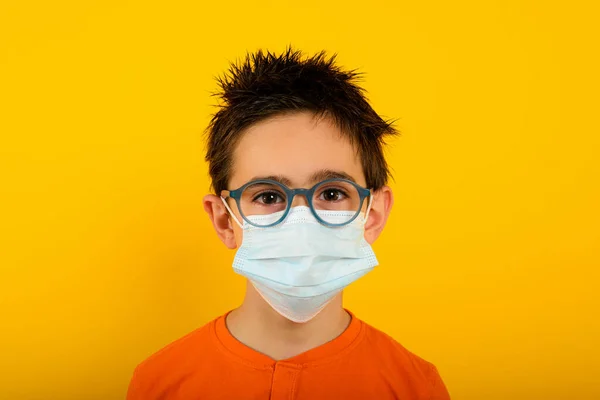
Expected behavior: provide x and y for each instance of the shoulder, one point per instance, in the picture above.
(183, 347)
(394, 358)
(173, 359)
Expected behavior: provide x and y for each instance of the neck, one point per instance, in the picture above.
(261, 328)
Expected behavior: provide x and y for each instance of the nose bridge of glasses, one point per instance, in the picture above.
(300, 197)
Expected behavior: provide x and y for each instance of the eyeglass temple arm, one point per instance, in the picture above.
(369, 206)
(237, 221)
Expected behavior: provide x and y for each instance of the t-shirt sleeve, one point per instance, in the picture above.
(438, 389)
(134, 391)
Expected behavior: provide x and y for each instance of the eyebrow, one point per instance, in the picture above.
(325, 174)
(277, 178)
(318, 176)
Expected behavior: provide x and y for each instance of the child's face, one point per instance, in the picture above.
(298, 148)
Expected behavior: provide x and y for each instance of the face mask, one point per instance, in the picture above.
(299, 265)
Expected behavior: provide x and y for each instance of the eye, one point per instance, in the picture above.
(333, 194)
(268, 198)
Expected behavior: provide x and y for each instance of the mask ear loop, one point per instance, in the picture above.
(368, 209)
(231, 213)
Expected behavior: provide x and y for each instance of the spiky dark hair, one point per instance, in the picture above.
(265, 84)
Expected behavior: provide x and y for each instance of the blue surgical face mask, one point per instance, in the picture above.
(300, 265)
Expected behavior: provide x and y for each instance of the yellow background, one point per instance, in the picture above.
(489, 264)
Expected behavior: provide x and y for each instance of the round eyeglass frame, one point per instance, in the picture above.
(291, 193)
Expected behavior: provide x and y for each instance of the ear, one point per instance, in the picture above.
(383, 200)
(218, 214)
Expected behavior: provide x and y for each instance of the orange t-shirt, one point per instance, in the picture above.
(361, 363)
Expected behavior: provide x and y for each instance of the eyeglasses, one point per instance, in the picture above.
(265, 203)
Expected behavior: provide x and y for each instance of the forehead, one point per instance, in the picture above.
(296, 147)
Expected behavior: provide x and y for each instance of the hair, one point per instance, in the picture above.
(265, 85)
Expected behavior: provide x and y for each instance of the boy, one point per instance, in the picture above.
(297, 167)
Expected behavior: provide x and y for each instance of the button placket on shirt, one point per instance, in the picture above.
(285, 377)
